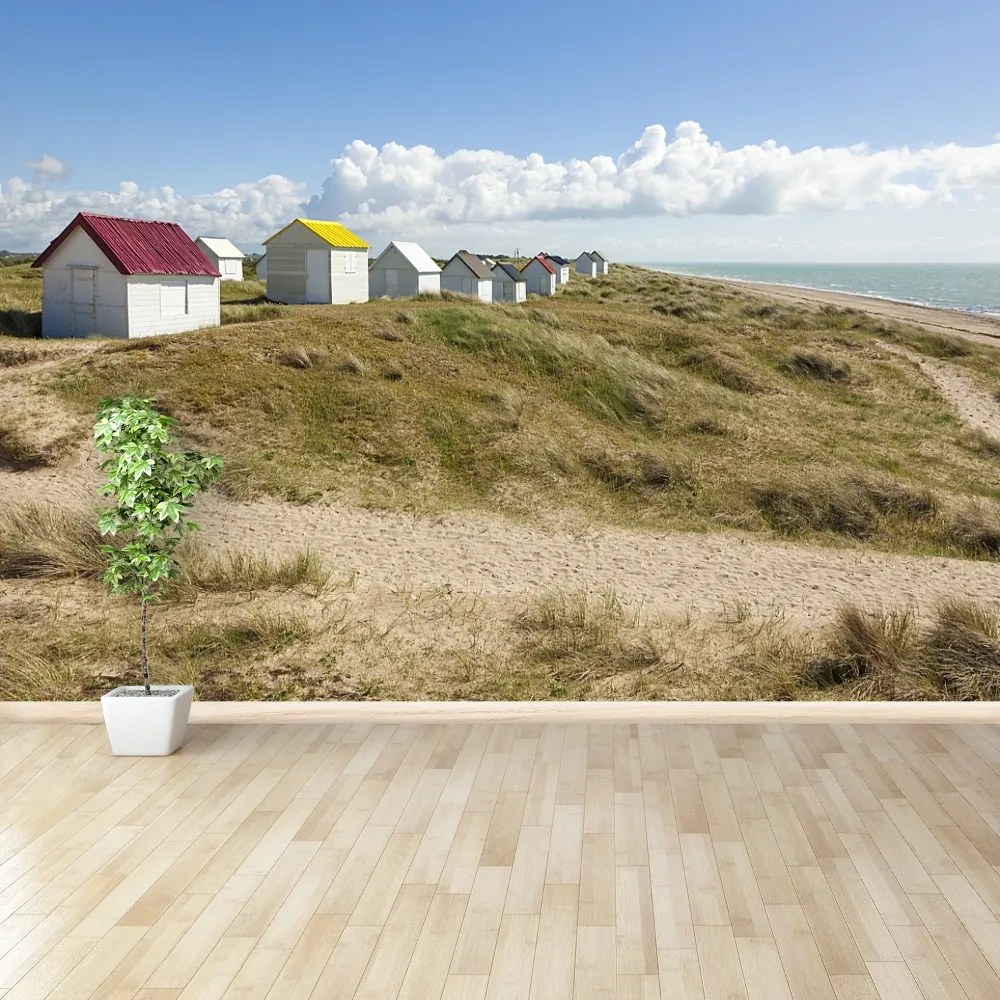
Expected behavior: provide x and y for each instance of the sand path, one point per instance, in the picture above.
(975, 406)
(500, 558)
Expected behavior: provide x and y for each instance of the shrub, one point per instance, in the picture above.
(152, 489)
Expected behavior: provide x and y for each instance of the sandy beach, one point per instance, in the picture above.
(953, 321)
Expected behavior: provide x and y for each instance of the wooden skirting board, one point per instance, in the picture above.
(231, 712)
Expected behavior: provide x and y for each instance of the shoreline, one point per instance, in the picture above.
(952, 321)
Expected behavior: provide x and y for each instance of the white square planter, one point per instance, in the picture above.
(141, 725)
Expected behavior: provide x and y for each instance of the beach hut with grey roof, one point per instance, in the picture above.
(586, 265)
(509, 285)
(466, 274)
(600, 261)
(561, 265)
(402, 270)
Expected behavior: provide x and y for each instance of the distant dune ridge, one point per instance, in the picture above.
(648, 486)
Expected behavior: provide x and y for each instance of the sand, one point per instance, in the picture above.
(976, 326)
(497, 558)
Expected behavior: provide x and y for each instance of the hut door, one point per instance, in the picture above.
(318, 276)
(82, 305)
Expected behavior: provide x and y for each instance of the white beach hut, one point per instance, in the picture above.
(540, 275)
(467, 274)
(402, 270)
(311, 261)
(125, 278)
(227, 258)
(509, 285)
(600, 261)
(561, 266)
(586, 265)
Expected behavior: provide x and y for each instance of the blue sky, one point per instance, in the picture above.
(185, 97)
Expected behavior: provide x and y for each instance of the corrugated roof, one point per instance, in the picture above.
(220, 246)
(561, 261)
(417, 256)
(329, 232)
(598, 256)
(138, 246)
(473, 263)
(510, 270)
(541, 260)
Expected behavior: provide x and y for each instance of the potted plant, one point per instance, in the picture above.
(152, 487)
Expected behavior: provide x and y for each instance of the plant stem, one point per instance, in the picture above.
(142, 647)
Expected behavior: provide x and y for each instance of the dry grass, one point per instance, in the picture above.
(410, 408)
(814, 365)
(329, 641)
(43, 542)
(20, 301)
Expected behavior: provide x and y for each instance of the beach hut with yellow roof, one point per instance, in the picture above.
(311, 261)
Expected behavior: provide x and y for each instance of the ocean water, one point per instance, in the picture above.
(968, 287)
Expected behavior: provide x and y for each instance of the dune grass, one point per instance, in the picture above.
(558, 645)
(44, 542)
(650, 400)
(20, 301)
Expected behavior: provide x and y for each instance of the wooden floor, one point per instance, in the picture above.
(543, 861)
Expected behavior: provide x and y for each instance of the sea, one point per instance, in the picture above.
(967, 287)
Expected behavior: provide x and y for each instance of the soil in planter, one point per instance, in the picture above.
(133, 692)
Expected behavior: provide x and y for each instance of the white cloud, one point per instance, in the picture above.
(487, 195)
(659, 175)
(48, 168)
(31, 215)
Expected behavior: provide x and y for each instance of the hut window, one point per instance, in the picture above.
(173, 298)
(350, 262)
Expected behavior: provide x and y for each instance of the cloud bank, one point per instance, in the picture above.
(659, 175)
(31, 213)
(414, 190)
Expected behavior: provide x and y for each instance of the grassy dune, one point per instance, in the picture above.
(645, 399)
(640, 399)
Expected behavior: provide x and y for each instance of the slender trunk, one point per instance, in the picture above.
(142, 647)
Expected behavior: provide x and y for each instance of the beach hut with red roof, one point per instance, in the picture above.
(125, 278)
(540, 276)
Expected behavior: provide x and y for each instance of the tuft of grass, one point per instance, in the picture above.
(984, 443)
(962, 647)
(254, 633)
(43, 542)
(975, 530)
(817, 366)
(578, 639)
(245, 572)
(716, 367)
(18, 451)
(296, 357)
(850, 505)
(708, 425)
